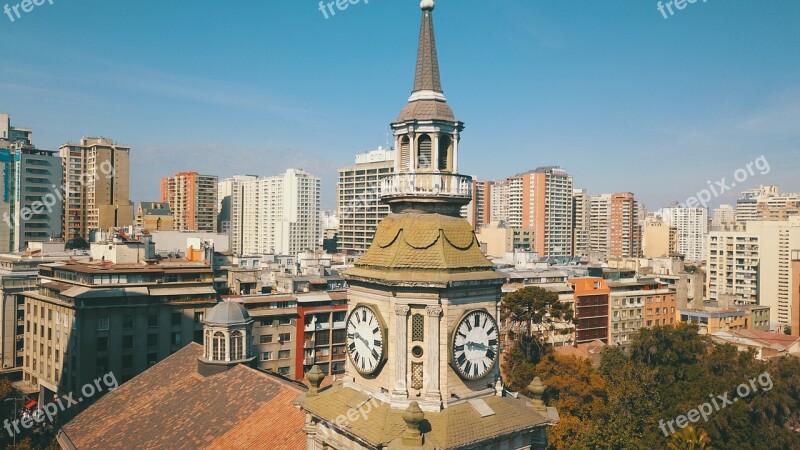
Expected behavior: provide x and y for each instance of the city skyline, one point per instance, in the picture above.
(697, 87)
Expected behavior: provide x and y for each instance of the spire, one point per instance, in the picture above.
(427, 101)
(427, 76)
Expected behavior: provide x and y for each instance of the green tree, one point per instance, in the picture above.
(690, 439)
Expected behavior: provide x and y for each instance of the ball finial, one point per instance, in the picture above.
(427, 5)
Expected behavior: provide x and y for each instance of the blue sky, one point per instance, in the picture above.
(622, 98)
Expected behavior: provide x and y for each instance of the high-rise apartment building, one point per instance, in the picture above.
(581, 205)
(97, 186)
(11, 134)
(542, 199)
(624, 232)
(31, 195)
(692, 226)
(795, 288)
(758, 256)
(358, 202)
(478, 212)
(599, 226)
(659, 240)
(499, 198)
(225, 206)
(747, 204)
(193, 200)
(276, 215)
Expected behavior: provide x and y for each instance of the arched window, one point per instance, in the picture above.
(237, 346)
(219, 346)
(424, 152)
(207, 344)
(405, 154)
(444, 151)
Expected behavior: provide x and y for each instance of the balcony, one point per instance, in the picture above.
(427, 185)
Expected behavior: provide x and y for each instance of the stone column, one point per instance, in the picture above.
(401, 353)
(434, 317)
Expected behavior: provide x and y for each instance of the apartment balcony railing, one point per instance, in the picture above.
(427, 185)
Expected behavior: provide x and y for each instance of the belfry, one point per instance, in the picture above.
(422, 325)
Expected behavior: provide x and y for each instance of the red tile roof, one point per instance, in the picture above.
(172, 406)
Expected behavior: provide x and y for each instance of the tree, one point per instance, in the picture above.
(535, 308)
(690, 439)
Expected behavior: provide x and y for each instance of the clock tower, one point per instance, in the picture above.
(422, 334)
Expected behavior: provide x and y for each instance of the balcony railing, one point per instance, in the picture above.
(427, 185)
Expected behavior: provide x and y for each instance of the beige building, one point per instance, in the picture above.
(581, 231)
(193, 200)
(97, 181)
(758, 258)
(116, 314)
(625, 236)
(637, 304)
(659, 240)
(499, 239)
(359, 206)
(155, 216)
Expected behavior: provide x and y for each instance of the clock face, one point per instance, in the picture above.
(475, 346)
(366, 340)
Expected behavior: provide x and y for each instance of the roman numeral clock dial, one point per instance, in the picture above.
(475, 344)
(366, 340)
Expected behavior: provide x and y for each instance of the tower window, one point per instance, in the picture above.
(219, 346)
(418, 328)
(444, 151)
(425, 152)
(237, 346)
(405, 154)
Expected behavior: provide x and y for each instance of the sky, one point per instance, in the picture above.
(621, 97)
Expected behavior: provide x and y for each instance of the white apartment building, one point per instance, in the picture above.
(276, 215)
(692, 226)
(225, 206)
(733, 266)
(724, 216)
(359, 209)
(599, 226)
(499, 201)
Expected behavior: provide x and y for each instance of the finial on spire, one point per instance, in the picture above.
(427, 5)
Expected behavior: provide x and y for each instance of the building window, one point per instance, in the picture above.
(418, 328)
(152, 340)
(102, 344)
(127, 341)
(103, 324)
(444, 151)
(266, 339)
(101, 364)
(285, 337)
(152, 359)
(237, 345)
(176, 338)
(266, 356)
(416, 375)
(127, 322)
(219, 346)
(283, 370)
(405, 154)
(152, 320)
(176, 318)
(284, 354)
(199, 316)
(424, 152)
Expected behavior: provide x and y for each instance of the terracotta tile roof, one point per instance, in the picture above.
(453, 427)
(417, 247)
(172, 406)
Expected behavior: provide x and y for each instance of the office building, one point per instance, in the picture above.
(31, 195)
(358, 203)
(97, 180)
(193, 200)
(120, 312)
(276, 215)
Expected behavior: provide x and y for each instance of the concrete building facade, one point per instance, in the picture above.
(96, 173)
(624, 232)
(692, 226)
(155, 216)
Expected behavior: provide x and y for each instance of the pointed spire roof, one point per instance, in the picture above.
(427, 77)
(427, 100)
